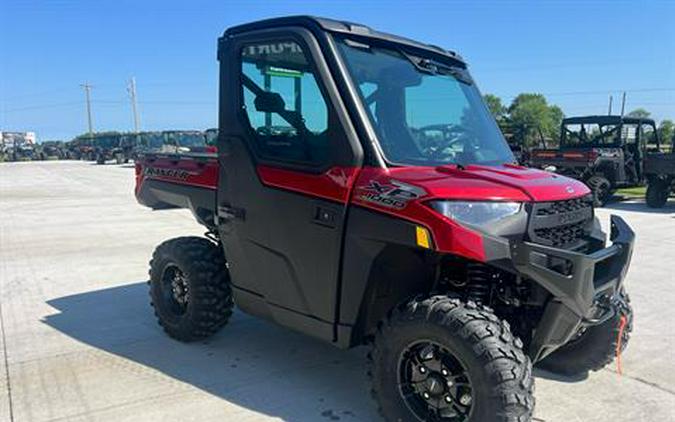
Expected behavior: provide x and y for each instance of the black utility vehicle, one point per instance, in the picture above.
(108, 146)
(605, 152)
(659, 171)
(363, 194)
(51, 150)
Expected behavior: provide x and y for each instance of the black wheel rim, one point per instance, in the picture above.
(175, 289)
(434, 384)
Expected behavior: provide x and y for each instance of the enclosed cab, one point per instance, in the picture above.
(363, 194)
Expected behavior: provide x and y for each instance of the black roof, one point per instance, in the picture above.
(341, 27)
(606, 120)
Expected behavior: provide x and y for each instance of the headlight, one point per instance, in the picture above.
(476, 213)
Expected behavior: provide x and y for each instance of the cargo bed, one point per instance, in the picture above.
(179, 181)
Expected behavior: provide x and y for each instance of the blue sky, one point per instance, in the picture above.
(575, 52)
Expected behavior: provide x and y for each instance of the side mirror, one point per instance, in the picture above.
(269, 102)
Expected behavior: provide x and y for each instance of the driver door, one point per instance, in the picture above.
(286, 170)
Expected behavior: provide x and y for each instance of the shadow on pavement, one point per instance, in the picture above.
(251, 363)
(540, 373)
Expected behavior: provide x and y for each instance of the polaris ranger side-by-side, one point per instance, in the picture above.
(362, 194)
(605, 152)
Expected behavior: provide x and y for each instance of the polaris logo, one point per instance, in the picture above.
(394, 194)
(569, 189)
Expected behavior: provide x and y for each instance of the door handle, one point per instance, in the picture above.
(325, 216)
(227, 212)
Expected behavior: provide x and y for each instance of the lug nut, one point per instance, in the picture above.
(448, 399)
(465, 399)
(444, 372)
(423, 369)
(425, 395)
(449, 383)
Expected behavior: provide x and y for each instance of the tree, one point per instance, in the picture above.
(639, 113)
(536, 117)
(666, 131)
(495, 105)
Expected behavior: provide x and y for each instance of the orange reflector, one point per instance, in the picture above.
(423, 238)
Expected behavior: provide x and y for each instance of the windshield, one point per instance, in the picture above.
(594, 134)
(424, 112)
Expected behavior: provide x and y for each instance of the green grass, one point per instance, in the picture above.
(638, 192)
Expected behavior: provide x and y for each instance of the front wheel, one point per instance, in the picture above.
(190, 288)
(657, 194)
(601, 188)
(442, 359)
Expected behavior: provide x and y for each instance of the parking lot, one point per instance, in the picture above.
(79, 341)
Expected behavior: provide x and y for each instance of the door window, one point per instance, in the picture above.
(285, 108)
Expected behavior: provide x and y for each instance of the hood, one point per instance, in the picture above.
(497, 183)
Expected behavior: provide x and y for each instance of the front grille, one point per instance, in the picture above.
(560, 207)
(562, 235)
(561, 224)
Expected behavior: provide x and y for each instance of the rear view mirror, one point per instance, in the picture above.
(269, 102)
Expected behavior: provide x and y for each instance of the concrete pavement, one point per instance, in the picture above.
(79, 341)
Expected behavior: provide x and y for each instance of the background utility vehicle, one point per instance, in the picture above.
(605, 152)
(108, 146)
(18, 146)
(331, 210)
(660, 174)
(81, 148)
(51, 150)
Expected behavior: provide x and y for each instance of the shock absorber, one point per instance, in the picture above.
(479, 282)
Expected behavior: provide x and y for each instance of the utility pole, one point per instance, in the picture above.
(131, 88)
(623, 103)
(609, 112)
(87, 93)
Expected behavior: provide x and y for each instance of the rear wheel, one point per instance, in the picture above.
(440, 359)
(595, 347)
(190, 288)
(658, 191)
(601, 188)
(100, 159)
(119, 158)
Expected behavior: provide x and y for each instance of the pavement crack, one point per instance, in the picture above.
(4, 353)
(652, 384)
(646, 382)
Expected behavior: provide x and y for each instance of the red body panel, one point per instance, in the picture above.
(188, 170)
(400, 192)
(334, 184)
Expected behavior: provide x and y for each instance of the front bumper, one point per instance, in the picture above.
(584, 287)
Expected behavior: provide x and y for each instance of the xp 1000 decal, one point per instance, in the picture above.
(392, 194)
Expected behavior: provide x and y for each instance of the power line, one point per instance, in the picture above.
(44, 106)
